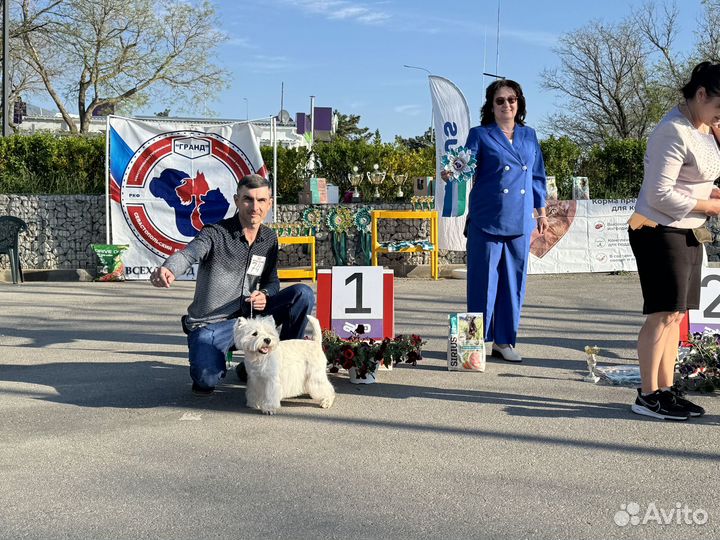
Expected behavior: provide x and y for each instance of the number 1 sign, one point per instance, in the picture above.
(350, 296)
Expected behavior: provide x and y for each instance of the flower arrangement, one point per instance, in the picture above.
(461, 163)
(699, 366)
(365, 354)
(312, 218)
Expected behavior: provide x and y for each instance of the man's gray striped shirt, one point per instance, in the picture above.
(224, 258)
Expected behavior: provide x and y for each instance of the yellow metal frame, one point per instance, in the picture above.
(298, 273)
(432, 215)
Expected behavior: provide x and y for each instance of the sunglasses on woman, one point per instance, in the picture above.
(501, 100)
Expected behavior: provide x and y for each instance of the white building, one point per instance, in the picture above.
(286, 131)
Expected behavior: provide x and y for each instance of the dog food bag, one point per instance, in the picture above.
(111, 267)
(466, 342)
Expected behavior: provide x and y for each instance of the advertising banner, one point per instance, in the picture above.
(451, 119)
(168, 180)
(584, 236)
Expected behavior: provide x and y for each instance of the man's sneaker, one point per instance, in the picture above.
(689, 406)
(659, 405)
(200, 391)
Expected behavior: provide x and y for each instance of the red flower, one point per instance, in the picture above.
(349, 354)
(347, 364)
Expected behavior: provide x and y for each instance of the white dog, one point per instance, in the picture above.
(282, 369)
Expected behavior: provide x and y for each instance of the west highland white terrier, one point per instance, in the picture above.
(282, 369)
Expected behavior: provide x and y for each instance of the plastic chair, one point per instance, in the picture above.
(10, 229)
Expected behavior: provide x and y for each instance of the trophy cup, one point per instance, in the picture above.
(376, 178)
(592, 353)
(399, 180)
(355, 178)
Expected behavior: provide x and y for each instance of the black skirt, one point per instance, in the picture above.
(669, 262)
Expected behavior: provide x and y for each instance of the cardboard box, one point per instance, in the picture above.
(423, 185)
(581, 188)
(306, 197)
(466, 342)
(315, 184)
(552, 190)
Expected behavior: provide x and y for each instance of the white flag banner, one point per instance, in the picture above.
(451, 119)
(168, 180)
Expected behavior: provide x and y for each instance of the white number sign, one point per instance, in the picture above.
(357, 292)
(708, 316)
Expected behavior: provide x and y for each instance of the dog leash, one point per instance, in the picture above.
(257, 288)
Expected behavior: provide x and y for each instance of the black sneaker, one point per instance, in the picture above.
(689, 406)
(659, 405)
(200, 391)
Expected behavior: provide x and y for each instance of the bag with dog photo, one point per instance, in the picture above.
(466, 342)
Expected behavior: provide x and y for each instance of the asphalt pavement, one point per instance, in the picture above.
(100, 436)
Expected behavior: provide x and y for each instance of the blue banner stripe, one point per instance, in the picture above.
(120, 155)
(448, 199)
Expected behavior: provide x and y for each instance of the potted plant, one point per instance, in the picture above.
(362, 357)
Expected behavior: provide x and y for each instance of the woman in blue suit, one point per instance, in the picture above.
(509, 183)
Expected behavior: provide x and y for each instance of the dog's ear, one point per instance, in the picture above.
(268, 319)
(241, 322)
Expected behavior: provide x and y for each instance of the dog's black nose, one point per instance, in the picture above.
(267, 340)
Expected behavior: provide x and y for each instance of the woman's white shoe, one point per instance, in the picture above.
(506, 353)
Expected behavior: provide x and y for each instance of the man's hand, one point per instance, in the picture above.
(162, 277)
(715, 193)
(257, 300)
(445, 175)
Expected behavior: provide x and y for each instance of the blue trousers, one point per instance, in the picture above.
(496, 278)
(208, 345)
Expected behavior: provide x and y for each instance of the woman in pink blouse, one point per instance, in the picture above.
(677, 195)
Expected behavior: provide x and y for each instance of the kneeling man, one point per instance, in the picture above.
(237, 275)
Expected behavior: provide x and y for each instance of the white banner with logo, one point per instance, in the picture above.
(584, 236)
(168, 180)
(451, 119)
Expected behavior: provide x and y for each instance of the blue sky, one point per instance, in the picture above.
(350, 53)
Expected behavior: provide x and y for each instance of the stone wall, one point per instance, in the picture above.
(62, 228)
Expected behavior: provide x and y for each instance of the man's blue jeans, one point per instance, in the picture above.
(209, 344)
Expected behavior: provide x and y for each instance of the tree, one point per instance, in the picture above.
(417, 143)
(348, 128)
(708, 46)
(101, 53)
(605, 83)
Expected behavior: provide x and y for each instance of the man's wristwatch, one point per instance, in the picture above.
(265, 292)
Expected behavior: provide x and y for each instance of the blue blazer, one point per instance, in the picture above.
(509, 180)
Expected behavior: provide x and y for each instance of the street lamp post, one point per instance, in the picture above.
(247, 114)
(432, 131)
(416, 67)
(6, 69)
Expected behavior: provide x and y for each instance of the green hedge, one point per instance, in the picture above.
(50, 164)
(73, 164)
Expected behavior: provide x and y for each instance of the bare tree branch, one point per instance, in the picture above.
(115, 52)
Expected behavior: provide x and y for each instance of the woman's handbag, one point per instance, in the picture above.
(703, 235)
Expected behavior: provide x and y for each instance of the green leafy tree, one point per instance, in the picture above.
(615, 168)
(561, 157)
(416, 143)
(348, 128)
